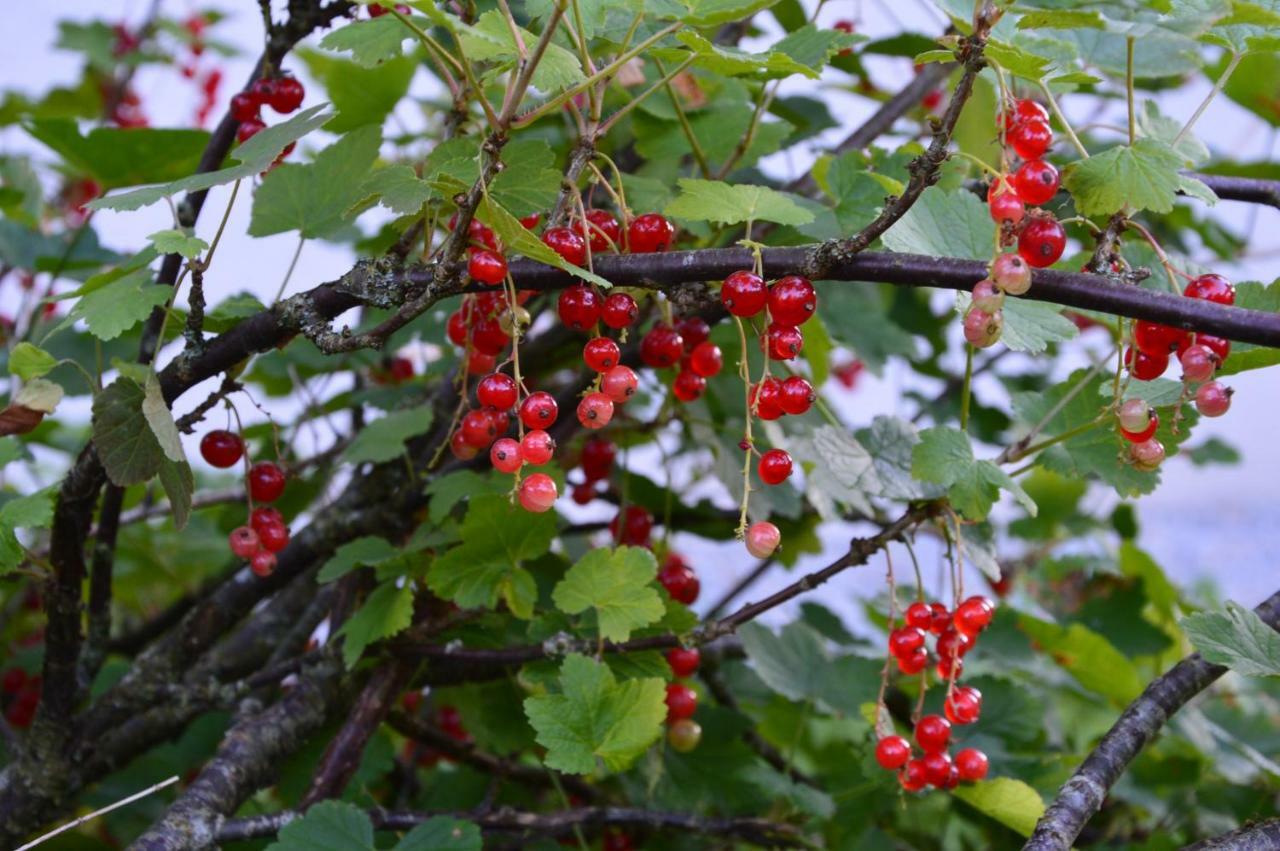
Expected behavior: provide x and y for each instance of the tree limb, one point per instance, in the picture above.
(1259, 836)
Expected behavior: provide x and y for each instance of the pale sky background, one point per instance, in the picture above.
(1217, 521)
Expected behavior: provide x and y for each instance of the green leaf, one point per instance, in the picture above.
(254, 157)
(1092, 660)
(117, 157)
(1213, 451)
(842, 470)
(704, 13)
(594, 720)
(944, 456)
(174, 241)
(1237, 638)
(179, 483)
(1016, 60)
(1063, 19)
(1007, 800)
(384, 439)
(365, 551)
(122, 437)
(1030, 326)
(361, 95)
(442, 833)
(385, 612)
(315, 199)
(398, 188)
(160, 420)
(115, 308)
(813, 47)
(1143, 176)
(734, 62)
(39, 395)
(1248, 28)
(1153, 125)
(370, 42)
(715, 201)
(944, 224)
(793, 663)
(327, 826)
(490, 39)
(617, 585)
(451, 489)
(34, 511)
(29, 361)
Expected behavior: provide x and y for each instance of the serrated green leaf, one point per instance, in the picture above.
(442, 833)
(1030, 326)
(735, 62)
(315, 199)
(367, 551)
(117, 157)
(1153, 125)
(1236, 637)
(715, 201)
(398, 188)
(370, 41)
(115, 308)
(1092, 660)
(30, 361)
(1143, 176)
(617, 585)
(1063, 19)
(361, 95)
(327, 826)
(813, 47)
(34, 511)
(384, 439)
(449, 490)
(594, 720)
(1016, 60)
(122, 437)
(944, 224)
(792, 663)
(1005, 799)
(490, 39)
(386, 611)
(944, 456)
(174, 241)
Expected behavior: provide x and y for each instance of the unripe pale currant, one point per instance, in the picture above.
(244, 541)
(763, 538)
(1213, 399)
(986, 297)
(983, 329)
(619, 384)
(1011, 274)
(1198, 363)
(538, 493)
(505, 455)
(1134, 415)
(537, 447)
(1147, 455)
(684, 735)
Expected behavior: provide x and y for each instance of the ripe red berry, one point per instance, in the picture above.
(906, 640)
(1146, 433)
(14, 679)
(505, 455)
(595, 410)
(775, 466)
(706, 359)
(598, 454)
(973, 615)
(949, 669)
(661, 347)
(488, 337)
(462, 450)
(766, 399)
(273, 536)
(941, 618)
(632, 526)
(530, 221)
(1042, 241)
(952, 644)
(971, 764)
(792, 300)
(583, 494)
(1025, 110)
(478, 428)
(601, 354)
(913, 663)
(744, 293)
(620, 310)
(457, 327)
(244, 107)
(602, 231)
(286, 95)
(244, 541)
(567, 243)
(537, 447)
(919, 615)
(937, 768)
(684, 661)
(487, 267)
(221, 448)
(497, 391)
(1036, 182)
(679, 580)
(963, 705)
(539, 410)
(783, 342)
(580, 307)
(1213, 399)
(1156, 339)
(479, 363)
(682, 701)
(933, 733)
(892, 752)
(619, 383)
(1217, 345)
(1144, 366)
(248, 129)
(650, 233)
(263, 563)
(763, 538)
(688, 386)
(1004, 204)
(266, 482)
(1211, 288)
(264, 516)
(694, 330)
(1030, 139)
(538, 493)
(914, 777)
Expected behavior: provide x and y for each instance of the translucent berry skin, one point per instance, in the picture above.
(744, 293)
(783, 342)
(538, 493)
(274, 536)
(682, 701)
(595, 410)
(683, 736)
(1036, 182)
(263, 563)
(906, 640)
(797, 395)
(598, 454)
(706, 360)
(1217, 345)
(684, 661)
(952, 644)
(619, 384)
(539, 410)
(775, 467)
(583, 494)
(481, 363)
(1134, 414)
(248, 129)
(661, 347)
(478, 428)
(266, 482)
(620, 310)
(1156, 339)
(1011, 274)
(1147, 455)
(1211, 288)
(244, 541)
(530, 221)
(694, 330)
(221, 448)
(1145, 434)
(948, 669)
(1042, 242)
(498, 391)
(919, 615)
(913, 663)
(1030, 139)
(567, 243)
(688, 386)
(892, 752)
(632, 527)
(580, 307)
(505, 455)
(983, 329)
(602, 231)
(286, 95)
(601, 354)
(964, 705)
(986, 297)
(244, 107)
(973, 615)
(680, 581)
(456, 328)
(536, 447)
(941, 618)
(914, 776)
(972, 764)
(766, 399)
(462, 450)
(1198, 363)
(933, 733)
(650, 233)
(487, 267)
(1026, 110)
(937, 768)
(1004, 204)
(264, 516)
(763, 538)
(792, 300)
(487, 336)
(1213, 399)
(1144, 366)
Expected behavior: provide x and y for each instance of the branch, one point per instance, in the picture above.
(1082, 795)
(753, 830)
(1260, 836)
(1248, 189)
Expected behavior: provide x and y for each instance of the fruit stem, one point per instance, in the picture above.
(744, 370)
(1128, 86)
(1204, 104)
(699, 155)
(1062, 119)
(966, 389)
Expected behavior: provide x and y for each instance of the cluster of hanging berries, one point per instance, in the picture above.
(284, 94)
(1199, 355)
(392, 371)
(596, 459)
(632, 526)
(956, 633)
(1009, 274)
(1041, 239)
(266, 533)
(683, 733)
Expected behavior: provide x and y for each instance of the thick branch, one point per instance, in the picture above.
(1082, 795)
(1247, 189)
(1261, 836)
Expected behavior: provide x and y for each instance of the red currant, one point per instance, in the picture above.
(1042, 241)
(479, 363)
(462, 450)
(1147, 455)
(537, 447)
(744, 293)
(266, 482)
(248, 129)
(661, 347)
(1144, 366)
(775, 467)
(264, 516)
(583, 494)
(688, 386)
(567, 243)
(538, 493)
(948, 669)
(892, 752)
(1036, 182)
(632, 526)
(1134, 415)
(620, 310)
(244, 541)
(684, 661)
(649, 233)
(1147, 432)
(497, 391)
(914, 776)
(682, 701)
(505, 455)
(487, 267)
(539, 410)
(1030, 139)
(1156, 339)
(679, 580)
(598, 454)
(983, 329)
(274, 536)
(963, 705)
(1211, 288)
(766, 399)
(792, 300)
(906, 640)
(937, 768)
(602, 230)
(706, 359)
(263, 563)
(972, 764)
(1198, 363)
(244, 107)
(619, 383)
(595, 410)
(933, 733)
(1004, 204)
(952, 644)
(783, 342)
(286, 95)
(222, 448)
(1217, 345)
(488, 337)
(919, 615)
(478, 428)
(973, 615)
(986, 297)
(797, 395)
(941, 618)
(601, 354)
(1011, 274)
(1025, 110)
(914, 663)
(694, 330)
(580, 307)
(456, 328)
(763, 538)
(530, 221)
(1213, 399)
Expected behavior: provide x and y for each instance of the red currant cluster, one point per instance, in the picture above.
(683, 733)
(1199, 355)
(20, 694)
(596, 460)
(126, 105)
(632, 526)
(376, 11)
(956, 633)
(984, 322)
(266, 533)
(392, 371)
(687, 345)
(284, 94)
